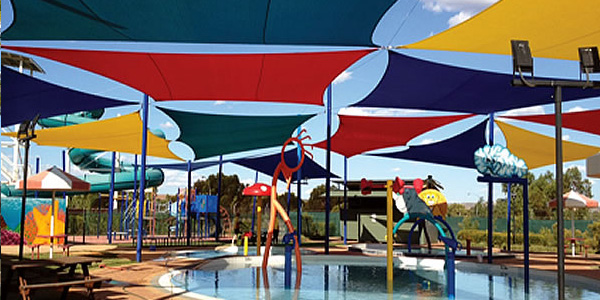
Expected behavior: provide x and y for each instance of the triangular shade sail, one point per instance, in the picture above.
(456, 151)
(24, 97)
(554, 29)
(587, 121)
(539, 150)
(359, 134)
(415, 83)
(211, 135)
(55, 179)
(280, 77)
(121, 134)
(267, 164)
(307, 22)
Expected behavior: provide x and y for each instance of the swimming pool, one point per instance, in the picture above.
(361, 278)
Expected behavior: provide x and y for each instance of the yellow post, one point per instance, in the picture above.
(390, 239)
(258, 223)
(245, 245)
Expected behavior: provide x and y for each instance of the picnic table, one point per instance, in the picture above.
(573, 242)
(39, 266)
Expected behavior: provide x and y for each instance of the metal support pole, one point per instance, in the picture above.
(188, 209)
(37, 170)
(64, 168)
(99, 209)
(559, 191)
(490, 200)
(111, 198)
(138, 254)
(134, 196)
(24, 199)
(526, 237)
(177, 215)
(509, 200)
(218, 223)
(390, 238)
(345, 200)
(121, 227)
(328, 167)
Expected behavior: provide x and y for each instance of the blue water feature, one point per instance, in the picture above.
(363, 283)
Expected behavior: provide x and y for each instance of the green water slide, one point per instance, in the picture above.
(93, 161)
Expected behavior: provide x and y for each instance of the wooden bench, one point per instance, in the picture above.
(89, 282)
(66, 249)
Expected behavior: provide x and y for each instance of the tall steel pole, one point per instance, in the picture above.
(138, 253)
(559, 191)
(328, 167)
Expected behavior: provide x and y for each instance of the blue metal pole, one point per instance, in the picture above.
(121, 211)
(253, 205)
(188, 208)
(177, 215)
(328, 167)
(299, 181)
(346, 201)
(138, 254)
(134, 196)
(126, 209)
(99, 207)
(219, 199)
(490, 199)
(508, 218)
(64, 168)
(111, 198)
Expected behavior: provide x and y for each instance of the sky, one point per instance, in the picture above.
(406, 22)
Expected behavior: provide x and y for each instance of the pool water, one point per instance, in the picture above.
(351, 282)
(208, 254)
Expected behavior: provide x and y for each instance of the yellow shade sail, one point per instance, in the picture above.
(554, 29)
(121, 134)
(539, 150)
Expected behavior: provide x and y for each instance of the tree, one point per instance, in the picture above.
(316, 201)
(480, 209)
(457, 210)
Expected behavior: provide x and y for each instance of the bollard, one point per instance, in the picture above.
(288, 240)
(246, 245)
(468, 247)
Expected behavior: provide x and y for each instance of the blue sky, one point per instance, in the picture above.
(406, 22)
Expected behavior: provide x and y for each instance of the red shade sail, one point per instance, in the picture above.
(358, 134)
(257, 189)
(586, 121)
(279, 77)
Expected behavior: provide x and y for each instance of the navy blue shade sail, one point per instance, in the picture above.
(414, 83)
(265, 164)
(24, 97)
(456, 151)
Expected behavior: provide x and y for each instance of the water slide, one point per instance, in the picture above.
(93, 160)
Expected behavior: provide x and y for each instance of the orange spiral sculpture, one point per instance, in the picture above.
(276, 208)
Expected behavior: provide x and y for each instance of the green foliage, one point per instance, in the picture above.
(593, 235)
(457, 210)
(468, 223)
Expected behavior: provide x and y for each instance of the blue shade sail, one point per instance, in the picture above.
(23, 97)
(456, 151)
(410, 82)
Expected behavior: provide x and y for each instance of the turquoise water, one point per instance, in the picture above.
(363, 283)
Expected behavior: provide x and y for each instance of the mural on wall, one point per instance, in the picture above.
(37, 220)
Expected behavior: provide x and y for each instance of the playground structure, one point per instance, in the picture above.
(203, 210)
(406, 197)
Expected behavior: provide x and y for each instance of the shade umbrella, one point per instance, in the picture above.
(574, 200)
(258, 190)
(54, 180)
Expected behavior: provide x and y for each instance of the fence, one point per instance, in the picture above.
(535, 226)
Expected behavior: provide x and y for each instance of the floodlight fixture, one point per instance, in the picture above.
(588, 62)
(522, 59)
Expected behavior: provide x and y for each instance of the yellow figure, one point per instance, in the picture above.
(436, 201)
